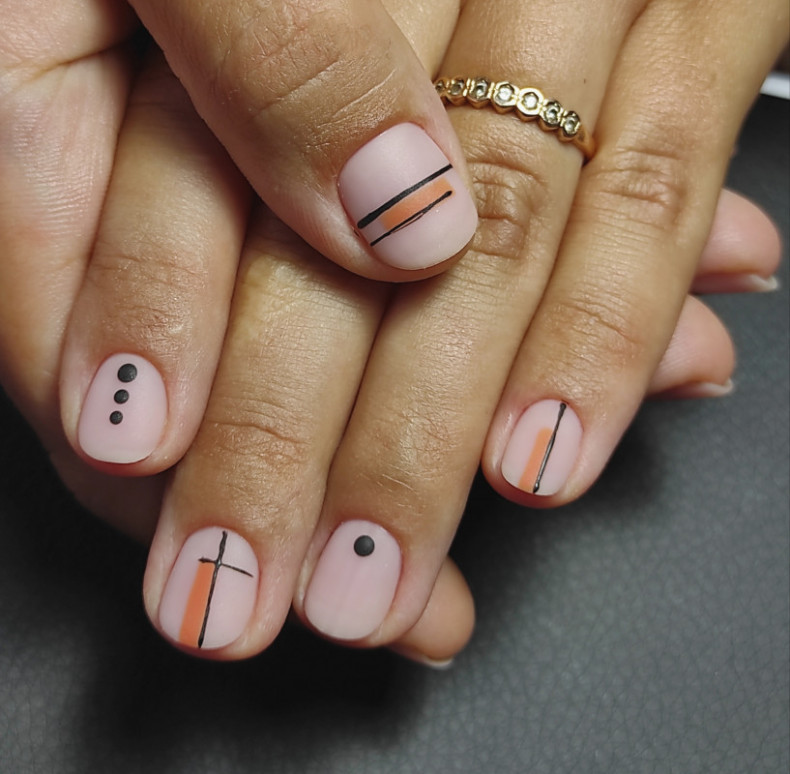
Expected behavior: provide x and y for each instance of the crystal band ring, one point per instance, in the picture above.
(528, 103)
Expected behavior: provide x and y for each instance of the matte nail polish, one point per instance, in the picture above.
(211, 592)
(542, 448)
(354, 582)
(124, 412)
(406, 199)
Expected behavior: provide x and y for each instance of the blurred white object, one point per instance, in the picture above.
(777, 85)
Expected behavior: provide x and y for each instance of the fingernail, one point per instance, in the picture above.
(124, 412)
(354, 582)
(440, 665)
(211, 591)
(700, 390)
(542, 448)
(406, 199)
(735, 283)
(757, 284)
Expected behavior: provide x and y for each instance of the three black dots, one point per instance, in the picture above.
(126, 373)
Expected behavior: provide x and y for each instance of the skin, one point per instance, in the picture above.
(530, 311)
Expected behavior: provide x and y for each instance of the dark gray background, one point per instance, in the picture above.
(643, 629)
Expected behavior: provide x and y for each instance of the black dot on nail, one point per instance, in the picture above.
(116, 417)
(127, 372)
(364, 545)
(121, 396)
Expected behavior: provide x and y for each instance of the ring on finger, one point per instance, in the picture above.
(528, 102)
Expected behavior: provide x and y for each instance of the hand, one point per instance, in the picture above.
(151, 279)
(681, 336)
(569, 294)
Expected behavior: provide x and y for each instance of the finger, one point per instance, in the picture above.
(54, 167)
(742, 252)
(327, 110)
(148, 323)
(253, 480)
(446, 624)
(639, 221)
(700, 358)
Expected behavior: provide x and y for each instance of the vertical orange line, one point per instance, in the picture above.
(195, 611)
(530, 474)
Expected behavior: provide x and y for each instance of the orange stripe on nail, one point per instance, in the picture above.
(530, 474)
(415, 202)
(195, 612)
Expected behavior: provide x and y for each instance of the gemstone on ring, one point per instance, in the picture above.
(529, 103)
(504, 96)
(478, 91)
(570, 124)
(456, 91)
(552, 113)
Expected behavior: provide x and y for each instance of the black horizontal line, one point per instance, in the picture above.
(371, 216)
(412, 218)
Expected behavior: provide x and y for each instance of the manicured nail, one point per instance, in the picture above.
(211, 591)
(124, 412)
(406, 200)
(354, 582)
(542, 448)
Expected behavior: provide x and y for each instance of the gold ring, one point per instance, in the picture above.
(528, 103)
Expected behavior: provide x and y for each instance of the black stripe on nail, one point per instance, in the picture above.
(217, 564)
(550, 446)
(371, 216)
(412, 218)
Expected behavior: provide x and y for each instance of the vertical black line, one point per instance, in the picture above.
(553, 438)
(217, 564)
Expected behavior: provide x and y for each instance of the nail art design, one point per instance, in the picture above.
(212, 589)
(406, 200)
(542, 448)
(124, 411)
(354, 582)
(406, 207)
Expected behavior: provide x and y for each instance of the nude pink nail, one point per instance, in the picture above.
(354, 582)
(211, 592)
(406, 199)
(542, 448)
(124, 413)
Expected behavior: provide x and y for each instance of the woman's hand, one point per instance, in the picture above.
(276, 414)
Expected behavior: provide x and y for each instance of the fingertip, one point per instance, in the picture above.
(446, 624)
(743, 240)
(700, 352)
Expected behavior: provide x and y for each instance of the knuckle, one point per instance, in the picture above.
(418, 457)
(600, 327)
(159, 295)
(644, 182)
(510, 203)
(254, 438)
